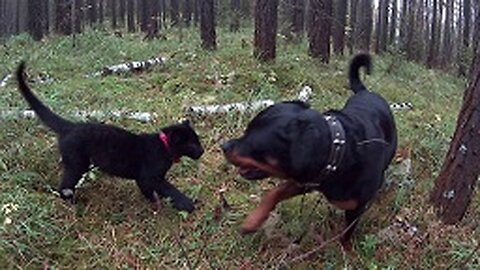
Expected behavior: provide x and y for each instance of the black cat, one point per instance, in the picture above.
(144, 157)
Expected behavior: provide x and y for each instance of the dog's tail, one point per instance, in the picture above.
(52, 120)
(360, 60)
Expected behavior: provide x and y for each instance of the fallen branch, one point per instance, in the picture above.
(401, 106)
(320, 247)
(83, 115)
(243, 107)
(131, 66)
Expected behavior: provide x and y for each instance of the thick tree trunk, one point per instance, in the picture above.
(36, 17)
(101, 8)
(131, 15)
(338, 27)
(63, 21)
(207, 24)
(393, 23)
(174, 8)
(187, 12)
(78, 16)
(363, 25)
(352, 23)
(113, 13)
(92, 11)
(121, 12)
(265, 29)
(447, 44)
(319, 29)
(298, 18)
(460, 172)
(196, 11)
(235, 15)
(432, 53)
(382, 27)
(144, 15)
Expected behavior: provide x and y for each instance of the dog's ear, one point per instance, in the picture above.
(305, 145)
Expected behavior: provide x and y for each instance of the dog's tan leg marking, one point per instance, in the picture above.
(282, 192)
(345, 205)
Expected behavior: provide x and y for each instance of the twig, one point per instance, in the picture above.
(183, 251)
(324, 244)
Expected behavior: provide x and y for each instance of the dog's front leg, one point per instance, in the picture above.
(258, 216)
(179, 200)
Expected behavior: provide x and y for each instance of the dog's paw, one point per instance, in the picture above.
(184, 204)
(68, 195)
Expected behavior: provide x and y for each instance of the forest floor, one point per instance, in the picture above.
(112, 225)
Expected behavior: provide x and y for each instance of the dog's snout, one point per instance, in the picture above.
(226, 146)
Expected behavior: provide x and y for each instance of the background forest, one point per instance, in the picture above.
(219, 52)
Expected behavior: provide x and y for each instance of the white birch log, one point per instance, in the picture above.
(4, 82)
(131, 66)
(242, 107)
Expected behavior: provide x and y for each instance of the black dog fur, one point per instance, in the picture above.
(116, 151)
(292, 141)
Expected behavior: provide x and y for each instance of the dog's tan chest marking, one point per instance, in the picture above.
(345, 205)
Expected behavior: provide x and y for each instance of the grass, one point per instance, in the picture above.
(112, 226)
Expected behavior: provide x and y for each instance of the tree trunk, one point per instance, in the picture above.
(131, 16)
(113, 13)
(455, 184)
(393, 23)
(298, 18)
(467, 16)
(352, 24)
(187, 12)
(121, 12)
(63, 21)
(363, 25)
(476, 32)
(235, 15)
(36, 17)
(265, 29)
(174, 7)
(382, 27)
(92, 11)
(207, 24)
(196, 11)
(447, 46)
(432, 53)
(78, 16)
(319, 29)
(144, 15)
(101, 7)
(338, 27)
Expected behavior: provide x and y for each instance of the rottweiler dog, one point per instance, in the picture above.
(340, 153)
(146, 157)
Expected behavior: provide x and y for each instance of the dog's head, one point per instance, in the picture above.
(184, 141)
(287, 140)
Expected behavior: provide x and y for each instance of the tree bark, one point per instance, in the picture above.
(455, 184)
(207, 24)
(131, 16)
(393, 23)
(319, 29)
(298, 18)
(265, 29)
(113, 13)
(433, 53)
(63, 21)
(187, 12)
(338, 27)
(235, 15)
(447, 46)
(363, 25)
(121, 12)
(174, 7)
(92, 11)
(36, 17)
(382, 27)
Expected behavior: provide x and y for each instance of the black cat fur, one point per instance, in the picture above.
(145, 157)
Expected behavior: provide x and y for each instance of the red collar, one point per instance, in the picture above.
(166, 142)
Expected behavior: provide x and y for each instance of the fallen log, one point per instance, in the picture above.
(130, 66)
